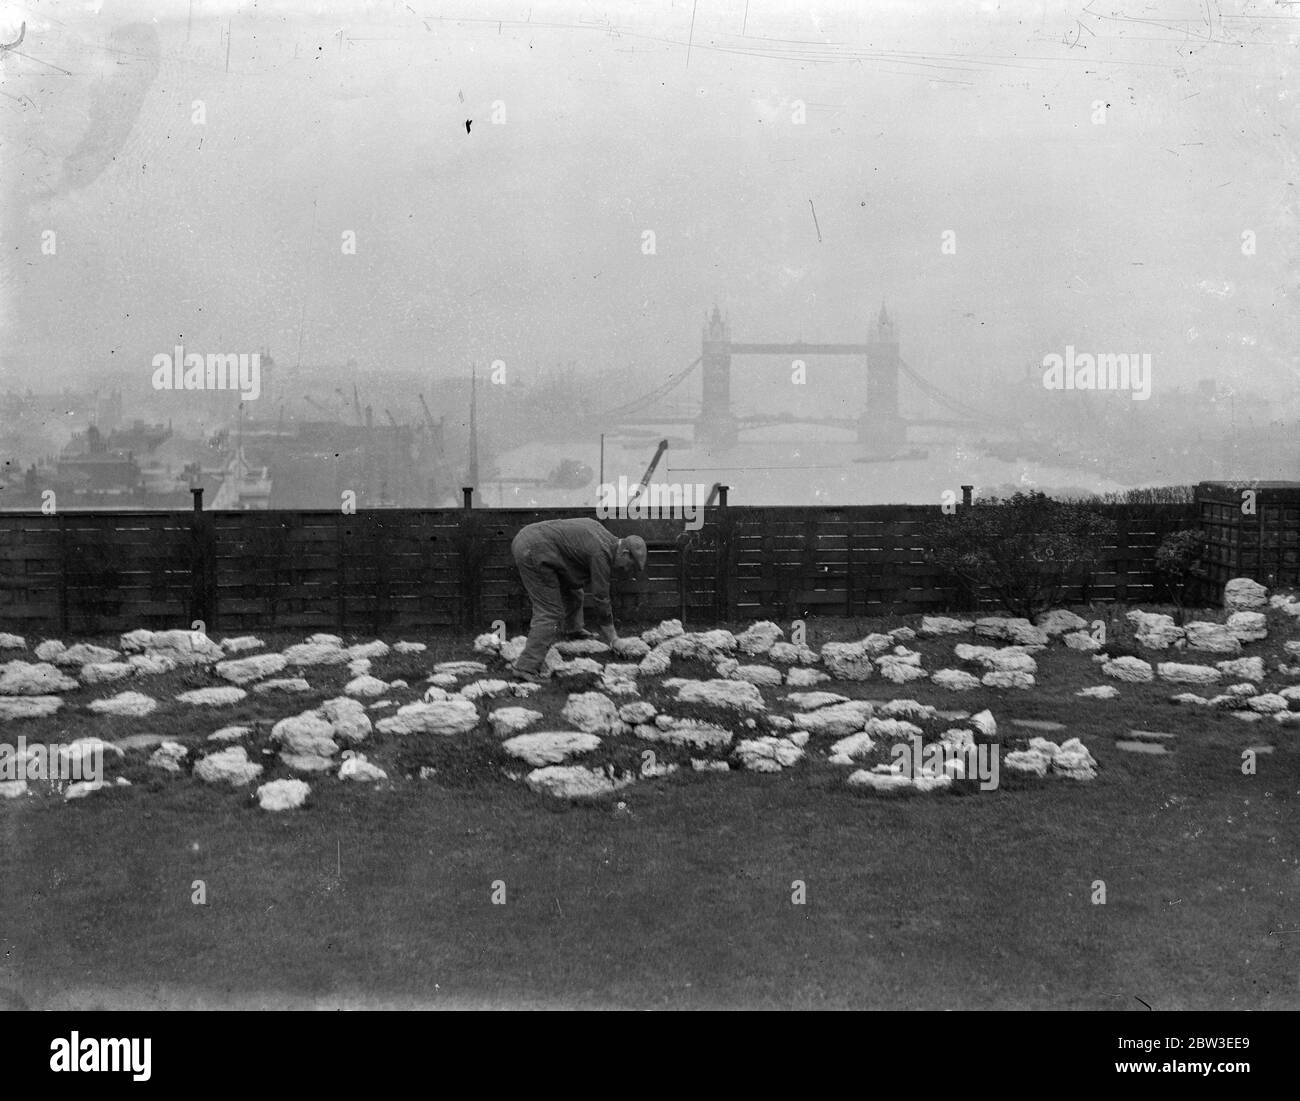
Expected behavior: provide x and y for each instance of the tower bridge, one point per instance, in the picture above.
(879, 424)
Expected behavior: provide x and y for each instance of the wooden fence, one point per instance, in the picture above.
(393, 570)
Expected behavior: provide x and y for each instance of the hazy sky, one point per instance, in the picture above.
(523, 240)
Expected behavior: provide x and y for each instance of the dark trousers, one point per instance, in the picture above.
(556, 605)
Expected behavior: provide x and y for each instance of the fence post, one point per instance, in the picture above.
(63, 573)
(723, 599)
(203, 602)
(470, 551)
(340, 573)
(468, 493)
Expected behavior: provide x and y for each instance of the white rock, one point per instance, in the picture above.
(85, 654)
(855, 746)
(21, 678)
(445, 717)
(365, 687)
(1248, 626)
(732, 694)
(229, 766)
(507, 721)
(999, 678)
(1011, 659)
(12, 789)
(1287, 718)
(1015, 630)
(151, 665)
(787, 653)
(12, 642)
(347, 718)
(758, 638)
(241, 644)
(767, 754)
(487, 689)
(1251, 669)
(315, 653)
(133, 704)
(1188, 674)
(83, 788)
(761, 675)
(28, 707)
(810, 701)
(409, 647)
(308, 734)
(49, 650)
(592, 713)
(688, 732)
(183, 647)
(550, 747)
(709, 766)
(637, 713)
(282, 684)
(800, 677)
(847, 660)
(1241, 594)
(1189, 698)
(1214, 638)
(1132, 670)
(630, 649)
(943, 625)
(212, 697)
(669, 628)
(903, 634)
(1099, 692)
(836, 720)
(702, 645)
(169, 756)
(901, 669)
(283, 795)
(355, 767)
(582, 647)
(247, 670)
(105, 672)
(573, 782)
(656, 663)
(893, 781)
(230, 733)
(1155, 631)
(985, 724)
(1268, 703)
(461, 668)
(375, 649)
(1059, 621)
(954, 680)
(307, 762)
(1028, 762)
(443, 680)
(1083, 642)
(1074, 760)
(81, 754)
(557, 666)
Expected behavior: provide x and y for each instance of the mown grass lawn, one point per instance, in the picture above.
(682, 897)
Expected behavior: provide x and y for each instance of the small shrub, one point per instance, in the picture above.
(1025, 549)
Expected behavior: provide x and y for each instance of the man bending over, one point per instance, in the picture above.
(560, 562)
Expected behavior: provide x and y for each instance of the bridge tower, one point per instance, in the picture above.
(717, 424)
(880, 423)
